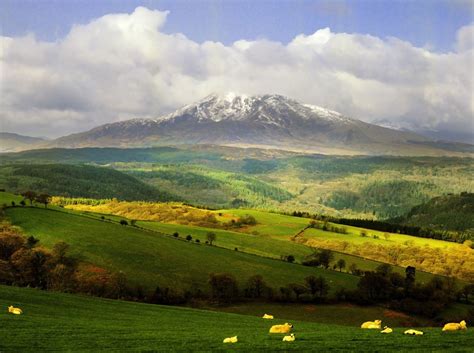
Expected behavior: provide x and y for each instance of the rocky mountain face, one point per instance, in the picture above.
(268, 121)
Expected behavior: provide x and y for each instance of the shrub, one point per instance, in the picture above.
(224, 289)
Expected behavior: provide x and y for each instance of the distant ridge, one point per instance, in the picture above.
(265, 121)
(10, 142)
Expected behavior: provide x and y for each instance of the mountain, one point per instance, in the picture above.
(268, 121)
(10, 142)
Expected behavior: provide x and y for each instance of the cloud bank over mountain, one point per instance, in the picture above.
(122, 66)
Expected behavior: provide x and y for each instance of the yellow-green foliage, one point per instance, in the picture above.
(148, 211)
(453, 261)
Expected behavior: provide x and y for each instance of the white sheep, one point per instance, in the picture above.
(231, 339)
(13, 310)
(454, 326)
(289, 338)
(372, 324)
(413, 332)
(285, 328)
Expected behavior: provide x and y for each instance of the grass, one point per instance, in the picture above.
(252, 244)
(149, 259)
(64, 322)
(264, 243)
(339, 314)
(269, 247)
(270, 224)
(354, 236)
(6, 198)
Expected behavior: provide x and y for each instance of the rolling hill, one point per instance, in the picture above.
(273, 236)
(269, 121)
(447, 212)
(151, 259)
(60, 322)
(77, 181)
(10, 142)
(370, 187)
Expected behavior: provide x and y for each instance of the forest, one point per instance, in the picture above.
(372, 188)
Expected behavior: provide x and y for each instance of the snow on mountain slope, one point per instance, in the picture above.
(265, 121)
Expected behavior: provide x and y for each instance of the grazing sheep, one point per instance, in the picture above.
(13, 310)
(231, 340)
(386, 329)
(286, 328)
(453, 326)
(267, 316)
(413, 332)
(372, 324)
(289, 338)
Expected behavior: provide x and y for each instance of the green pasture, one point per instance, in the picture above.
(71, 323)
(150, 259)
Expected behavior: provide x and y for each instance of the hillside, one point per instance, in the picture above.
(60, 322)
(276, 235)
(228, 177)
(448, 212)
(10, 142)
(269, 121)
(77, 181)
(152, 259)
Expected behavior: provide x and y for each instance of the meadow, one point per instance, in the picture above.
(274, 234)
(64, 322)
(150, 259)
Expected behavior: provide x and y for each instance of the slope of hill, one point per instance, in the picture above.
(366, 187)
(267, 121)
(275, 235)
(77, 181)
(151, 259)
(10, 142)
(64, 322)
(448, 212)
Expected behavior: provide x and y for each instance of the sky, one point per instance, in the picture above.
(67, 66)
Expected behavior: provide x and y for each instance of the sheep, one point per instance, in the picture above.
(453, 326)
(13, 310)
(413, 332)
(372, 324)
(231, 340)
(267, 316)
(386, 329)
(289, 338)
(286, 328)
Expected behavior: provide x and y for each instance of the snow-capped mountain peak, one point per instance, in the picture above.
(251, 120)
(270, 108)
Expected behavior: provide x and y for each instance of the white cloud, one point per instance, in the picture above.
(122, 66)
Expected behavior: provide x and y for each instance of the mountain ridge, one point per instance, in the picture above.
(265, 121)
(12, 142)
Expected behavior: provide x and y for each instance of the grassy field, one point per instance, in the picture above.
(63, 322)
(338, 314)
(269, 238)
(354, 236)
(274, 225)
(6, 198)
(249, 243)
(270, 224)
(269, 247)
(149, 259)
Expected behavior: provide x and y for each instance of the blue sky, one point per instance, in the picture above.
(431, 23)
